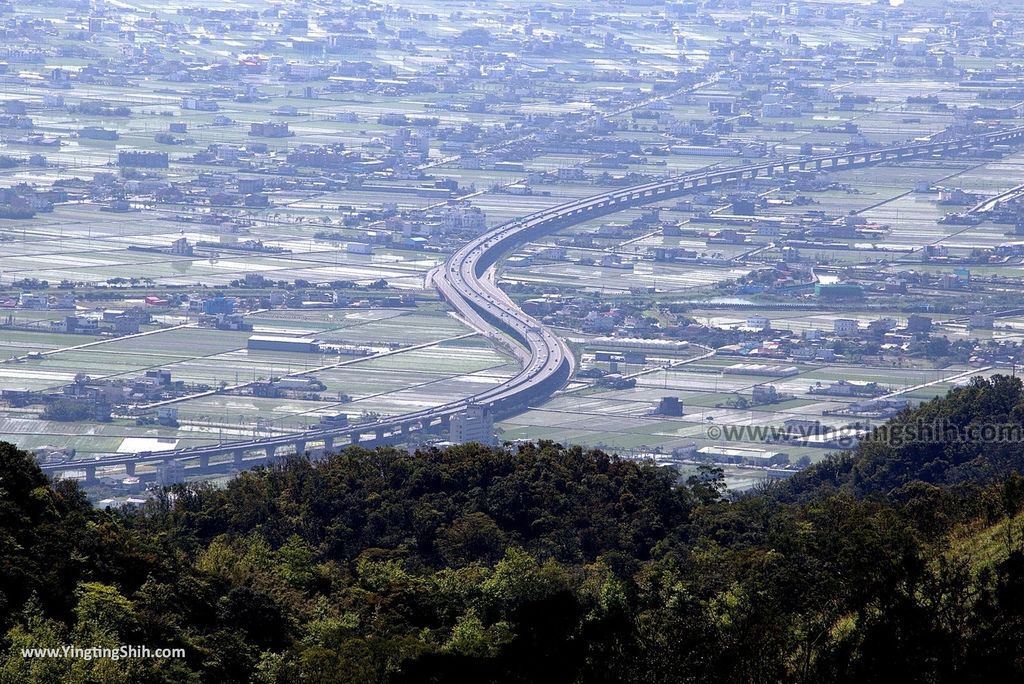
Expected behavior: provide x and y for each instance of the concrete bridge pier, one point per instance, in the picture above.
(328, 444)
(239, 457)
(204, 461)
(271, 451)
(129, 469)
(90, 474)
(380, 434)
(300, 448)
(405, 429)
(354, 438)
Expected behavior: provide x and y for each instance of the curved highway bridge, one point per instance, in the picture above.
(466, 282)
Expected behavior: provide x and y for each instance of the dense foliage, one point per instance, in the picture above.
(898, 563)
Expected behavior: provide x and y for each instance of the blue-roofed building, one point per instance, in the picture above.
(218, 305)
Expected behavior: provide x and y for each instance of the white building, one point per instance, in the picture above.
(464, 218)
(358, 248)
(36, 302)
(475, 424)
(845, 326)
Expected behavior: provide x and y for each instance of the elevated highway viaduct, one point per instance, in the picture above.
(546, 361)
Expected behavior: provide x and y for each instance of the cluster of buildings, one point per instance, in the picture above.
(108, 322)
(87, 399)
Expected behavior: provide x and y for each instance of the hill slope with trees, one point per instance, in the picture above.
(900, 562)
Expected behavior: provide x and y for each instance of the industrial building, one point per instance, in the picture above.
(305, 345)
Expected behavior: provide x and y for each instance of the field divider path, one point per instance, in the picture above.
(96, 343)
(951, 378)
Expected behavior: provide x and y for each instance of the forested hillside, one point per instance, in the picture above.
(902, 562)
